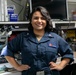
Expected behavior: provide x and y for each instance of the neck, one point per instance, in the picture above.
(39, 33)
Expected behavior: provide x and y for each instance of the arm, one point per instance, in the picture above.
(65, 52)
(12, 47)
(16, 65)
(59, 66)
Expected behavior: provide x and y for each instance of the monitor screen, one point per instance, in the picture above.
(56, 8)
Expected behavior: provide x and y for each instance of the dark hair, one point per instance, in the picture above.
(44, 13)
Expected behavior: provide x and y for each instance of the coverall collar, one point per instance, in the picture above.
(47, 36)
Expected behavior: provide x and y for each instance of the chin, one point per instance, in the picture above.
(39, 29)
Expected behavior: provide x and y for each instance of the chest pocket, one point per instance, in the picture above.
(51, 53)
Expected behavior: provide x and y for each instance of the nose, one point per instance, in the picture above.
(39, 19)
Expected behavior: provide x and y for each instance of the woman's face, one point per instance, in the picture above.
(38, 21)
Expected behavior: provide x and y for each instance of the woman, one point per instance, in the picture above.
(39, 47)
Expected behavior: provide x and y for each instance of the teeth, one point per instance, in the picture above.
(39, 25)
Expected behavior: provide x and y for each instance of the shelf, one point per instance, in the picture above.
(71, 24)
(71, 0)
(21, 22)
(25, 29)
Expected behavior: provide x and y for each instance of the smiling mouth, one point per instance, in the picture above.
(39, 25)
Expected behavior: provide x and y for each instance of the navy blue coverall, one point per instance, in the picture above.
(38, 54)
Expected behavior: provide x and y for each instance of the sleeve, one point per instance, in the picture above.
(65, 50)
(12, 46)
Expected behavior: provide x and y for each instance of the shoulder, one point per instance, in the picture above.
(58, 37)
(54, 34)
(23, 34)
(19, 36)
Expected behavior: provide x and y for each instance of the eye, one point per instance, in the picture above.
(43, 18)
(36, 18)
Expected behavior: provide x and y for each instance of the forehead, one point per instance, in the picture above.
(37, 13)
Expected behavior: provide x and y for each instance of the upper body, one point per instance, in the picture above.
(39, 47)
